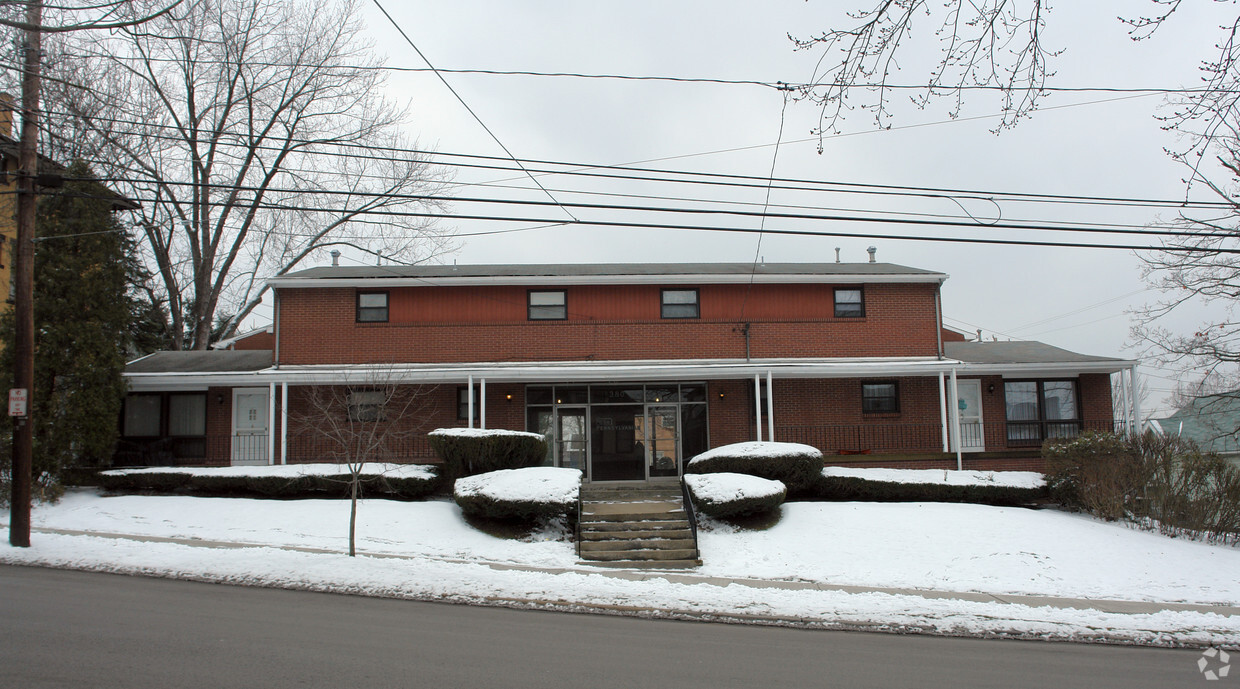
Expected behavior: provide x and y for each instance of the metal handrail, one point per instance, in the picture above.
(692, 513)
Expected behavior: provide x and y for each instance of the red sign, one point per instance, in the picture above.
(17, 401)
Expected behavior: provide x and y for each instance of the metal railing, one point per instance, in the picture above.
(230, 449)
(692, 514)
(845, 439)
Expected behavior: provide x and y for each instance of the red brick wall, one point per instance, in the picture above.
(452, 324)
(259, 340)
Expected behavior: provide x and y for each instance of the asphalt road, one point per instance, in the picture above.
(74, 629)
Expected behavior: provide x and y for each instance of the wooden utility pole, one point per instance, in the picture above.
(23, 279)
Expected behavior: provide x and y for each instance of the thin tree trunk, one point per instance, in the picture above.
(353, 516)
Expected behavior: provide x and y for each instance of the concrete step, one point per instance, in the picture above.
(647, 564)
(632, 511)
(614, 555)
(629, 534)
(637, 544)
(646, 524)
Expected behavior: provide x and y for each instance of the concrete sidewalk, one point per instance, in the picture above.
(689, 577)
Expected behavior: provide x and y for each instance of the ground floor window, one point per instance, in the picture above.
(158, 427)
(620, 432)
(1041, 409)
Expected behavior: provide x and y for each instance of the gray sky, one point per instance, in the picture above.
(1073, 298)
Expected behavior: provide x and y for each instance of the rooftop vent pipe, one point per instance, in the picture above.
(837, 254)
(872, 251)
(335, 257)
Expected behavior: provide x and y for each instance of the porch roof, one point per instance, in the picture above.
(1028, 358)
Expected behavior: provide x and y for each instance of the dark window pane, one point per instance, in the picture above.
(660, 393)
(693, 439)
(372, 307)
(1022, 400)
(1059, 400)
(187, 415)
(571, 395)
(462, 403)
(142, 415)
(538, 396)
(692, 393)
(879, 398)
(680, 303)
(849, 303)
(548, 306)
(615, 394)
(366, 405)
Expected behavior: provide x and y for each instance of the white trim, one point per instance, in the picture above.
(770, 408)
(284, 424)
(943, 411)
(232, 413)
(757, 404)
(651, 279)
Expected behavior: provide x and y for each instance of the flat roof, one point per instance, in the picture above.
(604, 273)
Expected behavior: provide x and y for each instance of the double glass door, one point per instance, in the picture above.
(615, 442)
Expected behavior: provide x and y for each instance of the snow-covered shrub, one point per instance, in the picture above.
(469, 451)
(797, 466)
(734, 495)
(521, 494)
(1004, 488)
(399, 481)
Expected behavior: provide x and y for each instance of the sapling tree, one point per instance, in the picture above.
(370, 420)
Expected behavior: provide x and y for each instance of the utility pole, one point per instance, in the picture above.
(23, 280)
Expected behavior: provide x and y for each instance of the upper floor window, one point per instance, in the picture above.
(880, 398)
(547, 305)
(372, 307)
(849, 303)
(680, 303)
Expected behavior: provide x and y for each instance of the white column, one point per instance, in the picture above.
(271, 424)
(770, 409)
(482, 401)
(956, 420)
(469, 395)
(1136, 399)
(757, 404)
(284, 424)
(1125, 400)
(943, 410)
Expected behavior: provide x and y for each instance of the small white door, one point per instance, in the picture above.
(972, 432)
(249, 436)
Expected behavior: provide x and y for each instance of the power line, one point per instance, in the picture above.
(709, 178)
(466, 105)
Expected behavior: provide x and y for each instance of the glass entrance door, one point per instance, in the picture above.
(618, 452)
(572, 438)
(663, 440)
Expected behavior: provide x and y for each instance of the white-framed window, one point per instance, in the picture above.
(547, 305)
(849, 302)
(680, 303)
(372, 307)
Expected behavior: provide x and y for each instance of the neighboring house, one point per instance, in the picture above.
(1212, 421)
(8, 194)
(628, 369)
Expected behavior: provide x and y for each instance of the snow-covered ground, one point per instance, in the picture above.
(915, 545)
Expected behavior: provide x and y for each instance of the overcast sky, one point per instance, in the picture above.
(1073, 298)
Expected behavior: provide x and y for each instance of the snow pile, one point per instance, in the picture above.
(482, 433)
(417, 471)
(1004, 479)
(732, 487)
(756, 449)
(533, 484)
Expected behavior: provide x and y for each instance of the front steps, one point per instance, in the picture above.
(637, 526)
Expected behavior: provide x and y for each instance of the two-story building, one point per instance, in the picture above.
(628, 369)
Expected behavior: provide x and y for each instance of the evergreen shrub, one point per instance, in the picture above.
(470, 451)
(796, 466)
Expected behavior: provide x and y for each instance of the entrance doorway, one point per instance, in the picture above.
(620, 432)
(249, 436)
(972, 431)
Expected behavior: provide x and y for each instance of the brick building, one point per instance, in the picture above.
(628, 369)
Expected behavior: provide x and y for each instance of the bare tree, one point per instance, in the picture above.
(255, 135)
(354, 424)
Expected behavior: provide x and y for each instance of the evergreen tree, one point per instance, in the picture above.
(83, 310)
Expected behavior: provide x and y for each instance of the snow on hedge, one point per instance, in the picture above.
(533, 484)
(1000, 479)
(756, 449)
(732, 487)
(422, 471)
(483, 433)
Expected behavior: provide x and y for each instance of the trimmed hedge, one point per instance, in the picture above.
(796, 466)
(740, 505)
(301, 486)
(478, 497)
(849, 488)
(466, 452)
